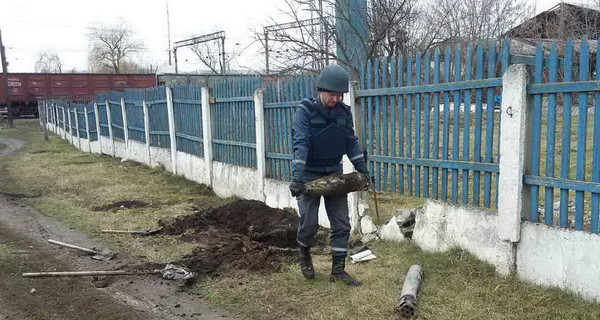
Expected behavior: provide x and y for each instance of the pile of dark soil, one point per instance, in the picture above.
(242, 235)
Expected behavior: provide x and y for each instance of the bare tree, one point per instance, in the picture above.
(476, 20)
(384, 28)
(389, 28)
(111, 47)
(48, 62)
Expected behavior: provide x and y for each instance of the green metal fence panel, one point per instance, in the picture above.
(233, 121)
(187, 110)
(281, 97)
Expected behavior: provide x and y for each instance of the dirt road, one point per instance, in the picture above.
(24, 248)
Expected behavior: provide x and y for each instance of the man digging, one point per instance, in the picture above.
(322, 132)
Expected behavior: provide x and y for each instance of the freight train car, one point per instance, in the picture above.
(25, 89)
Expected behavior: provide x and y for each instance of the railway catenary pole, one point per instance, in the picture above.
(5, 81)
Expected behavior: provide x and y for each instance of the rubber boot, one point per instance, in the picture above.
(305, 261)
(338, 273)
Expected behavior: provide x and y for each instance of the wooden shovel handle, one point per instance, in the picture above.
(62, 244)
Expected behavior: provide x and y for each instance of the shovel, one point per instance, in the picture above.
(148, 232)
(170, 272)
(103, 255)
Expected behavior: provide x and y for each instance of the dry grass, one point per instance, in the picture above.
(456, 285)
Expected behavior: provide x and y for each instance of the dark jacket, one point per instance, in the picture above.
(321, 136)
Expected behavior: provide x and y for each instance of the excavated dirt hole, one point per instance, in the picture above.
(242, 235)
(127, 204)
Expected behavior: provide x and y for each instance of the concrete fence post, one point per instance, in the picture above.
(77, 127)
(97, 120)
(207, 133)
(125, 127)
(514, 143)
(87, 128)
(259, 122)
(172, 131)
(70, 125)
(354, 198)
(147, 130)
(64, 134)
(110, 130)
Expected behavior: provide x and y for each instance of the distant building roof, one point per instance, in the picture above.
(562, 21)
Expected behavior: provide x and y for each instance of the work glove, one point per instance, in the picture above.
(364, 171)
(297, 188)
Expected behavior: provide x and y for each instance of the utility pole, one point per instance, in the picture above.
(5, 81)
(285, 26)
(169, 32)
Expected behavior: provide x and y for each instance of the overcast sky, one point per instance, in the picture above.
(31, 26)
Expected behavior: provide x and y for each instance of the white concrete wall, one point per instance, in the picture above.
(106, 144)
(137, 152)
(120, 149)
(160, 156)
(192, 168)
(229, 180)
(443, 226)
(560, 258)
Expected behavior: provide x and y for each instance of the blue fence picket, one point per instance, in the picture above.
(446, 130)
(456, 123)
(489, 138)
(436, 125)
(393, 120)
(584, 68)
(417, 141)
(467, 126)
(426, 128)
(550, 137)
(478, 126)
(536, 133)
(595, 207)
(566, 135)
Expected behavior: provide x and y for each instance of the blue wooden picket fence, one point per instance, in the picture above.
(281, 97)
(102, 114)
(430, 123)
(565, 142)
(156, 101)
(187, 110)
(432, 117)
(233, 121)
(134, 110)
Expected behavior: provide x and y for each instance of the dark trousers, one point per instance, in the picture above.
(337, 212)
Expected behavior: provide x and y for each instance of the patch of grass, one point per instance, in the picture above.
(455, 286)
